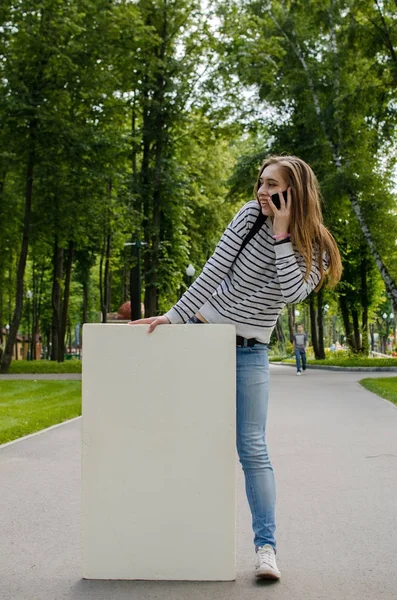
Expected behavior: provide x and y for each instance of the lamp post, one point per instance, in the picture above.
(29, 297)
(135, 281)
(190, 271)
(326, 335)
(388, 319)
(389, 323)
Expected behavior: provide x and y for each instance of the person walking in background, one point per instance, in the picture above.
(300, 342)
(275, 251)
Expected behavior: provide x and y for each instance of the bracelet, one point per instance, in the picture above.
(281, 236)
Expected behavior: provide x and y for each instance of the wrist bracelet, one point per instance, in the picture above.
(280, 236)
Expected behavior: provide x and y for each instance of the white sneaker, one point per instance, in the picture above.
(266, 567)
(299, 373)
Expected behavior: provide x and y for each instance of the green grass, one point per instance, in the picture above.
(385, 387)
(45, 366)
(351, 362)
(29, 406)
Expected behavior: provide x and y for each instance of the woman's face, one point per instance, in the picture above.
(271, 182)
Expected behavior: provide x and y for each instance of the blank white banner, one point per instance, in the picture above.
(158, 446)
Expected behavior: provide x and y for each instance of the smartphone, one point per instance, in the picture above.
(276, 199)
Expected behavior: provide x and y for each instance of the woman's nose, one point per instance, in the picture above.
(263, 189)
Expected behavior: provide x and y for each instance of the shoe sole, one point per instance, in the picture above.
(268, 575)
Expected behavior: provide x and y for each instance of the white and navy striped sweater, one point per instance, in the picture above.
(251, 291)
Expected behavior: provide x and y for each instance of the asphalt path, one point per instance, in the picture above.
(333, 445)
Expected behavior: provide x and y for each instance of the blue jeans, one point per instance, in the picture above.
(251, 415)
(300, 353)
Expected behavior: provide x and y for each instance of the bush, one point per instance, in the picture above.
(45, 366)
(356, 361)
(353, 361)
(289, 347)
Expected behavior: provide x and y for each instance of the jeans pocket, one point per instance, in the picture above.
(258, 348)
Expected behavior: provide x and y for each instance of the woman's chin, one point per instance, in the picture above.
(266, 211)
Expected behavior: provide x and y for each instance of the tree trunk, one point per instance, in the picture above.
(152, 254)
(85, 303)
(65, 304)
(7, 354)
(107, 279)
(391, 286)
(37, 288)
(364, 302)
(279, 331)
(1, 311)
(313, 326)
(124, 291)
(56, 325)
(346, 321)
(135, 145)
(291, 322)
(101, 284)
(387, 279)
(104, 278)
(320, 323)
(372, 333)
(146, 196)
(356, 331)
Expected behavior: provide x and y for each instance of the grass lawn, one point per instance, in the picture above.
(385, 387)
(29, 406)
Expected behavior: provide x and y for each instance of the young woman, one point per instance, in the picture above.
(247, 285)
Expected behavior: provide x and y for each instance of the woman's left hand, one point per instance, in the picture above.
(153, 322)
(282, 216)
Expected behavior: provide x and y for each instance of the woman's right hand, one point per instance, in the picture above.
(152, 321)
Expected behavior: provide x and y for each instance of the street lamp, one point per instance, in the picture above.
(388, 319)
(29, 297)
(190, 271)
(135, 282)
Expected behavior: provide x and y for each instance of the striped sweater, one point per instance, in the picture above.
(249, 291)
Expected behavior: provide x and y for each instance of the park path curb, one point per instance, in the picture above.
(36, 433)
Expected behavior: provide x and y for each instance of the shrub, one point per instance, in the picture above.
(45, 366)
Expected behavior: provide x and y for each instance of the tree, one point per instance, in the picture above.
(308, 61)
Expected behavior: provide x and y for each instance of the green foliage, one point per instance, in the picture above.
(355, 361)
(148, 121)
(352, 361)
(289, 348)
(45, 366)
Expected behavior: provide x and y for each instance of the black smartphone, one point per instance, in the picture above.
(276, 199)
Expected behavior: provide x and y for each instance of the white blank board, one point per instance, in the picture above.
(158, 450)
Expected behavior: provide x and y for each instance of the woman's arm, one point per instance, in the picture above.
(291, 274)
(214, 271)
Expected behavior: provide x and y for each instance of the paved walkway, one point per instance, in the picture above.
(334, 448)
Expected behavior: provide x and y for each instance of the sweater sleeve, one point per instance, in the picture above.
(290, 273)
(214, 271)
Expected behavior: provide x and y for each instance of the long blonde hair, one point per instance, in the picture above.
(308, 232)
